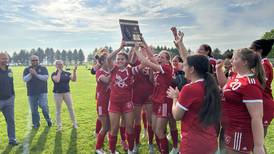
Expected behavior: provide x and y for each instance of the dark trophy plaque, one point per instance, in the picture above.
(130, 31)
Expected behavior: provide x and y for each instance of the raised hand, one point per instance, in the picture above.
(123, 44)
(75, 67)
(179, 38)
(174, 31)
(219, 64)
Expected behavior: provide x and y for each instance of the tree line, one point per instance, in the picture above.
(48, 56)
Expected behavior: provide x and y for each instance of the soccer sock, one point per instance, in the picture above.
(98, 126)
(150, 134)
(174, 136)
(163, 145)
(100, 140)
(130, 140)
(137, 133)
(112, 140)
(144, 117)
(123, 133)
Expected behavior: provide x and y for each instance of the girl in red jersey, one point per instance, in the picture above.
(242, 108)
(102, 98)
(197, 106)
(263, 48)
(120, 104)
(142, 90)
(204, 49)
(160, 103)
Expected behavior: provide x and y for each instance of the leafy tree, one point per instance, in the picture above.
(81, 56)
(57, 54)
(69, 56)
(75, 56)
(217, 54)
(64, 56)
(269, 35)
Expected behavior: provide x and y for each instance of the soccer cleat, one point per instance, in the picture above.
(151, 149)
(130, 152)
(174, 151)
(59, 128)
(136, 148)
(100, 151)
(75, 126)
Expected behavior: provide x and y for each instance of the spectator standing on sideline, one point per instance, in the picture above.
(7, 97)
(61, 92)
(36, 77)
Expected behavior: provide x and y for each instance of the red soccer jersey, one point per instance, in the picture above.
(194, 135)
(212, 63)
(102, 89)
(269, 76)
(142, 86)
(162, 80)
(268, 98)
(122, 84)
(238, 91)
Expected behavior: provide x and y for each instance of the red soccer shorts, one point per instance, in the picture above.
(120, 107)
(102, 108)
(162, 110)
(240, 141)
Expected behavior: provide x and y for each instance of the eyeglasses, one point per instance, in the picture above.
(34, 60)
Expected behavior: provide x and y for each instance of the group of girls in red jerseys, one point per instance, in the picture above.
(234, 106)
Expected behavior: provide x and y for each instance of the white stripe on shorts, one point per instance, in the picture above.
(100, 110)
(237, 141)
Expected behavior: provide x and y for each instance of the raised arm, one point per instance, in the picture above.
(145, 61)
(147, 49)
(113, 54)
(132, 57)
(179, 42)
(73, 76)
(220, 73)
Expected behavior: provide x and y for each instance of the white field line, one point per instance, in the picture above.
(27, 136)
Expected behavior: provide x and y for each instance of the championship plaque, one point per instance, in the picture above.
(130, 31)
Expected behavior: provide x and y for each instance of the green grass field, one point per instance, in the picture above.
(47, 140)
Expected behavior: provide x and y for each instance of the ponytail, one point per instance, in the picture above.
(259, 71)
(210, 110)
(254, 63)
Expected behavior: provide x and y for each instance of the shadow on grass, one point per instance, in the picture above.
(73, 142)
(24, 147)
(58, 143)
(39, 147)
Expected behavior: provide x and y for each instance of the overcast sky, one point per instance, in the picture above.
(89, 24)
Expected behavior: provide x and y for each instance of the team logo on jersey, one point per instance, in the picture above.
(10, 74)
(235, 85)
(120, 82)
(129, 105)
(227, 139)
